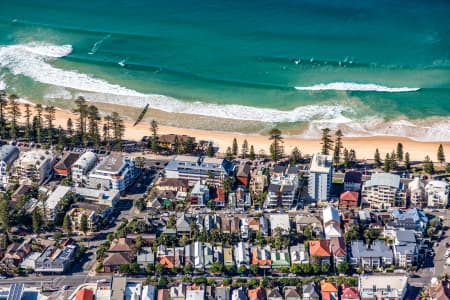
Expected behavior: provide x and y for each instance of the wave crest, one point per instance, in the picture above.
(352, 86)
(31, 60)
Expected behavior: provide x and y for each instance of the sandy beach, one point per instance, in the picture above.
(364, 146)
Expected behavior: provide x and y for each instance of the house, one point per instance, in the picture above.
(219, 200)
(283, 187)
(243, 198)
(349, 199)
(145, 256)
(258, 182)
(54, 260)
(413, 218)
(329, 290)
(349, 293)
(210, 169)
(198, 255)
(235, 225)
(173, 184)
(331, 222)
(436, 193)
(310, 291)
(416, 190)
(183, 224)
(291, 294)
(439, 289)
(309, 221)
(256, 294)
(280, 258)
(84, 294)
(244, 228)
(261, 257)
(228, 256)
(280, 222)
(189, 258)
(225, 225)
(118, 286)
(121, 245)
(223, 293)
(338, 249)
(178, 292)
(163, 294)
(15, 254)
(35, 165)
(133, 290)
(8, 154)
(82, 166)
(383, 191)
(20, 192)
(239, 294)
(405, 248)
(218, 254)
(114, 172)
(64, 165)
(166, 256)
(199, 195)
(264, 226)
(274, 294)
(393, 287)
(352, 181)
(242, 254)
(208, 255)
(114, 260)
(243, 175)
(299, 255)
(172, 141)
(320, 177)
(374, 256)
(195, 292)
(149, 292)
(319, 251)
(253, 224)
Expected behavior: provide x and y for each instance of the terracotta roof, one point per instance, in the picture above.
(253, 221)
(116, 259)
(349, 293)
(349, 196)
(319, 248)
(167, 262)
(326, 286)
(256, 294)
(84, 294)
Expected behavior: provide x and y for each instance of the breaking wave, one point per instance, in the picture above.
(32, 60)
(351, 86)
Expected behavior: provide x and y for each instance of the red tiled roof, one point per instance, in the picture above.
(84, 294)
(326, 286)
(319, 248)
(349, 196)
(349, 293)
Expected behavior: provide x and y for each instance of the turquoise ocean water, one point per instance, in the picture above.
(373, 67)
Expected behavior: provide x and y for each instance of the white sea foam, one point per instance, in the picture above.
(352, 86)
(32, 60)
(97, 44)
(2, 85)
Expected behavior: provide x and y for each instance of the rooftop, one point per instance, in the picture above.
(112, 164)
(321, 163)
(384, 179)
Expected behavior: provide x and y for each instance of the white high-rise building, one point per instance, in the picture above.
(320, 177)
(437, 193)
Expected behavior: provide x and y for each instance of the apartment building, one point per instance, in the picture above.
(384, 191)
(83, 166)
(320, 177)
(8, 154)
(283, 187)
(35, 165)
(115, 172)
(436, 193)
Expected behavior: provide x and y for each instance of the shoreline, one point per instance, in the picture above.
(364, 146)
